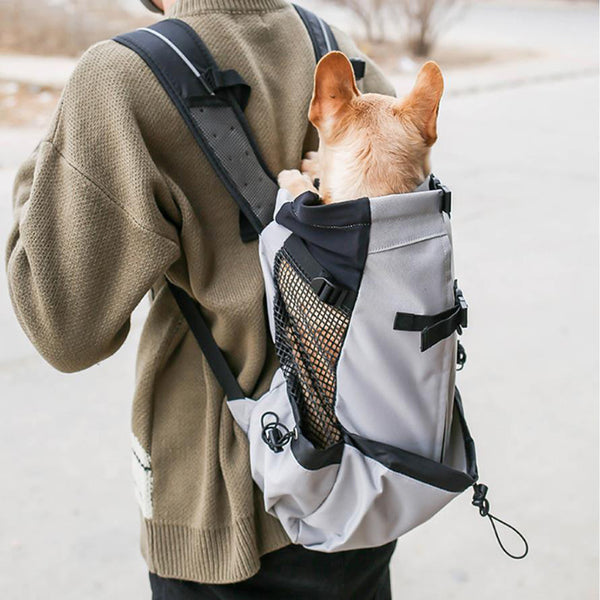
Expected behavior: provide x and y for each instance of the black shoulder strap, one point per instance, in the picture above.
(320, 33)
(211, 104)
(323, 39)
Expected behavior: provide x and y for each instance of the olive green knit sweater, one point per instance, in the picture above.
(118, 195)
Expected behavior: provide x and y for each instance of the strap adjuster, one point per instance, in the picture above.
(359, 67)
(463, 308)
(329, 292)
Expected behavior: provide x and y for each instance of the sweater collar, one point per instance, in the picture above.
(186, 8)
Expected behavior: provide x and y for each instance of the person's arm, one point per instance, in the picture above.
(89, 239)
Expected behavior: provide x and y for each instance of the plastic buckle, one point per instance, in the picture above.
(275, 434)
(436, 184)
(463, 307)
(274, 439)
(328, 292)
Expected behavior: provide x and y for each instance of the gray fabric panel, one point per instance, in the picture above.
(404, 219)
(388, 390)
(356, 505)
(224, 134)
(369, 506)
(455, 456)
(290, 491)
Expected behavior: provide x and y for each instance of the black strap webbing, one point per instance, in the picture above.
(214, 356)
(433, 328)
(211, 103)
(323, 39)
(421, 468)
(320, 33)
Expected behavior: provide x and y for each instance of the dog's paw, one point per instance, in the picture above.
(289, 177)
(294, 182)
(310, 166)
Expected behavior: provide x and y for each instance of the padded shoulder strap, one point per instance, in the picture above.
(211, 104)
(323, 39)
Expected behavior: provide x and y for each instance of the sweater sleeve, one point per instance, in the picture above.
(89, 239)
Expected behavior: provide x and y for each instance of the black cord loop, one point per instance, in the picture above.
(483, 504)
(274, 433)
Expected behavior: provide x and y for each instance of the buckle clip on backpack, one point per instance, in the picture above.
(362, 435)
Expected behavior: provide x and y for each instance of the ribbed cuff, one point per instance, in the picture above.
(220, 555)
(186, 8)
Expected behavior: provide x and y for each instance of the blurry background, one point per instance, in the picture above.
(519, 148)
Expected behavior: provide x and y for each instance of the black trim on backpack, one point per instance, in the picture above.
(424, 469)
(321, 281)
(335, 235)
(359, 66)
(401, 461)
(436, 184)
(312, 458)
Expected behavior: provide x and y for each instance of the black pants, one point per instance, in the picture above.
(294, 573)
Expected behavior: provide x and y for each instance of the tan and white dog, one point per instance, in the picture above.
(370, 144)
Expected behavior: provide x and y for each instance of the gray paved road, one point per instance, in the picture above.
(523, 164)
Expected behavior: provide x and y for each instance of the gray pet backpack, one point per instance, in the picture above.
(362, 434)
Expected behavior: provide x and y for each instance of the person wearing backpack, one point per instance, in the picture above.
(117, 199)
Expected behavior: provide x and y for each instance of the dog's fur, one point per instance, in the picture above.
(370, 145)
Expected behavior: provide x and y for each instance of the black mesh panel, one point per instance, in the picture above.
(309, 339)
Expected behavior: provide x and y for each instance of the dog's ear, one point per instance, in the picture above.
(335, 87)
(423, 102)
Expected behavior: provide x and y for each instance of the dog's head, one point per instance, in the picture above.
(370, 144)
